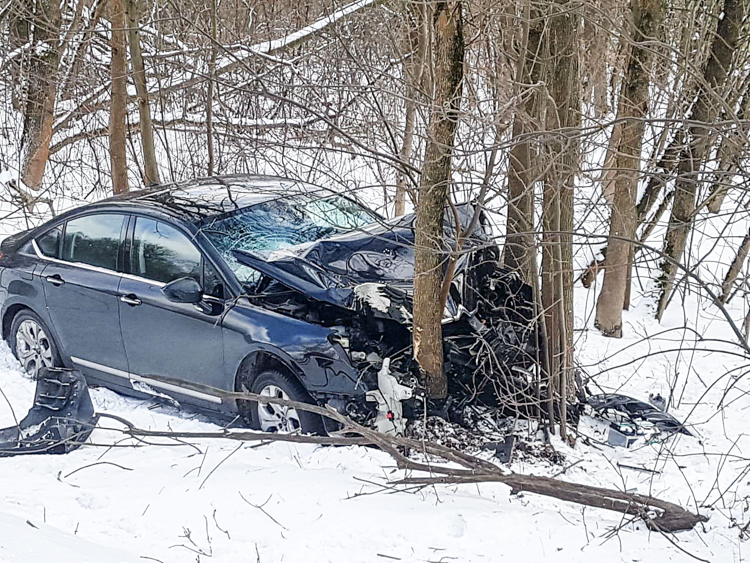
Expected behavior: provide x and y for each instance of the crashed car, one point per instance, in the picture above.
(263, 284)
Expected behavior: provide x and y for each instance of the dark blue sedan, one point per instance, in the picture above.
(226, 284)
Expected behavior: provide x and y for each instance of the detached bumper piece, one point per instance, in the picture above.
(61, 419)
(629, 419)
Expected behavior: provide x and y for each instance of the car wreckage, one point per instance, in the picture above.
(264, 284)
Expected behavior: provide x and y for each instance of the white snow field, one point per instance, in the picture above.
(220, 501)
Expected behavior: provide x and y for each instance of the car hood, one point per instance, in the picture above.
(374, 264)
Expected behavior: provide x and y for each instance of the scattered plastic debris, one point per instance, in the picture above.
(61, 419)
(626, 420)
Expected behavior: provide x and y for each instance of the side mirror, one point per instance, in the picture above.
(183, 290)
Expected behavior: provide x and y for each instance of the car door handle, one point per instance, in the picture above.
(55, 279)
(131, 300)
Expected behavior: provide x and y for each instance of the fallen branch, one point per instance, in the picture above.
(658, 514)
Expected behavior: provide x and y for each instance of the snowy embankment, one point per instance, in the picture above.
(219, 501)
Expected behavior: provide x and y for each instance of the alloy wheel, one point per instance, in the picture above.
(33, 347)
(277, 418)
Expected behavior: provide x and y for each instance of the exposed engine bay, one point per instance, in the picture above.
(359, 285)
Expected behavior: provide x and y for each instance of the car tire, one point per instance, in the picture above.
(32, 343)
(274, 418)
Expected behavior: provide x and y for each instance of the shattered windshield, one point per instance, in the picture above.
(282, 223)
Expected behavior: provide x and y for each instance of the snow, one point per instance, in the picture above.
(372, 293)
(118, 500)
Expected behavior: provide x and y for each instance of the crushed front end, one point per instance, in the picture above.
(359, 285)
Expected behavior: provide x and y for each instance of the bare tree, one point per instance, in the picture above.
(413, 72)
(447, 60)
(150, 168)
(563, 120)
(647, 17)
(42, 88)
(697, 144)
(519, 251)
(118, 105)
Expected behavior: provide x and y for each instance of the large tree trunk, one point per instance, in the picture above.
(42, 88)
(519, 251)
(118, 105)
(647, 17)
(150, 168)
(697, 145)
(563, 118)
(429, 252)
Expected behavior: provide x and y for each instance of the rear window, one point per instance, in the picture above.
(94, 240)
(49, 243)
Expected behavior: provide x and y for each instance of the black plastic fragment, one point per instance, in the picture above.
(61, 419)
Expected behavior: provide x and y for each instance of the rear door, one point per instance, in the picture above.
(179, 341)
(80, 283)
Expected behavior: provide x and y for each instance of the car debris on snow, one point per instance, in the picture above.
(61, 419)
(626, 420)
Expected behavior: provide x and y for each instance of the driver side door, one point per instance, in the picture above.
(179, 341)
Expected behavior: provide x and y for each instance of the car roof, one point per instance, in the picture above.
(202, 198)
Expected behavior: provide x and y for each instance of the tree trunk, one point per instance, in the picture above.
(210, 92)
(519, 249)
(42, 89)
(564, 117)
(704, 112)
(150, 168)
(19, 33)
(734, 269)
(118, 105)
(729, 154)
(413, 72)
(429, 252)
(647, 17)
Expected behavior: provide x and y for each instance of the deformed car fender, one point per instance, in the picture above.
(306, 349)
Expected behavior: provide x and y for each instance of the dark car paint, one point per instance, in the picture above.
(175, 348)
(330, 269)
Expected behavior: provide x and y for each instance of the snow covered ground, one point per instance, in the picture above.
(220, 501)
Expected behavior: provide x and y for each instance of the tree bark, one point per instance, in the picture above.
(704, 112)
(519, 248)
(413, 71)
(210, 92)
(150, 168)
(429, 252)
(734, 269)
(564, 118)
(647, 17)
(118, 105)
(729, 154)
(42, 89)
(20, 16)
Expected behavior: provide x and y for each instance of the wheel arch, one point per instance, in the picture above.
(9, 314)
(258, 361)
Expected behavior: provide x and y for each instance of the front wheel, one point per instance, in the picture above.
(31, 342)
(277, 418)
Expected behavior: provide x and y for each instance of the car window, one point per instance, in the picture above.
(49, 242)
(94, 240)
(162, 253)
